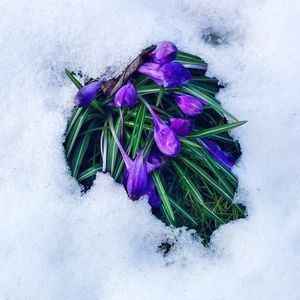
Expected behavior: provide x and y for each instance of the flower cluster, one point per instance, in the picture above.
(159, 66)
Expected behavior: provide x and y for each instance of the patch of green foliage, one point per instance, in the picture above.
(197, 190)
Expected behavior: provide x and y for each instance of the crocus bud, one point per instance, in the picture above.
(215, 150)
(165, 138)
(168, 75)
(164, 53)
(137, 177)
(126, 96)
(154, 161)
(190, 105)
(181, 127)
(87, 93)
(153, 196)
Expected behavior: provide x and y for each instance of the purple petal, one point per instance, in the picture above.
(137, 177)
(154, 197)
(190, 105)
(126, 96)
(181, 127)
(87, 93)
(154, 161)
(204, 102)
(153, 71)
(167, 75)
(215, 150)
(165, 138)
(164, 53)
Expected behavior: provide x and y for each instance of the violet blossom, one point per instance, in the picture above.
(180, 126)
(126, 96)
(154, 161)
(169, 75)
(164, 53)
(216, 151)
(165, 138)
(137, 181)
(136, 176)
(87, 93)
(153, 195)
(190, 105)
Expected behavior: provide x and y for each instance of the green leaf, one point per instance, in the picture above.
(145, 127)
(225, 170)
(75, 114)
(141, 80)
(164, 197)
(95, 129)
(160, 96)
(139, 125)
(96, 105)
(206, 79)
(209, 162)
(75, 131)
(186, 58)
(205, 176)
(216, 130)
(113, 148)
(183, 212)
(196, 194)
(148, 89)
(206, 88)
(80, 152)
(92, 171)
(73, 79)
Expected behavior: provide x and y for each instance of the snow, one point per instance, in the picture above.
(57, 244)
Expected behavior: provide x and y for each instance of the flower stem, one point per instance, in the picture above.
(126, 158)
(148, 107)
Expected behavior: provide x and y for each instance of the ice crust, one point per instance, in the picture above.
(56, 243)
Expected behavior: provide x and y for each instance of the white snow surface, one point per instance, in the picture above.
(57, 244)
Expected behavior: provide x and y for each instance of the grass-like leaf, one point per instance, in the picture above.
(216, 130)
(73, 79)
(81, 148)
(90, 172)
(165, 199)
(76, 130)
(196, 194)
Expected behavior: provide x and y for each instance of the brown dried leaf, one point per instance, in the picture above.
(110, 87)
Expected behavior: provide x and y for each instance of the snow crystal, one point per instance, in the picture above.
(57, 244)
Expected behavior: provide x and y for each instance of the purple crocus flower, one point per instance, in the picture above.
(165, 138)
(154, 161)
(136, 179)
(181, 127)
(87, 93)
(164, 53)
(215, 150)
(136, 175)
(153, 195)
(126, 96)
(190, 105)
(168, 75)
